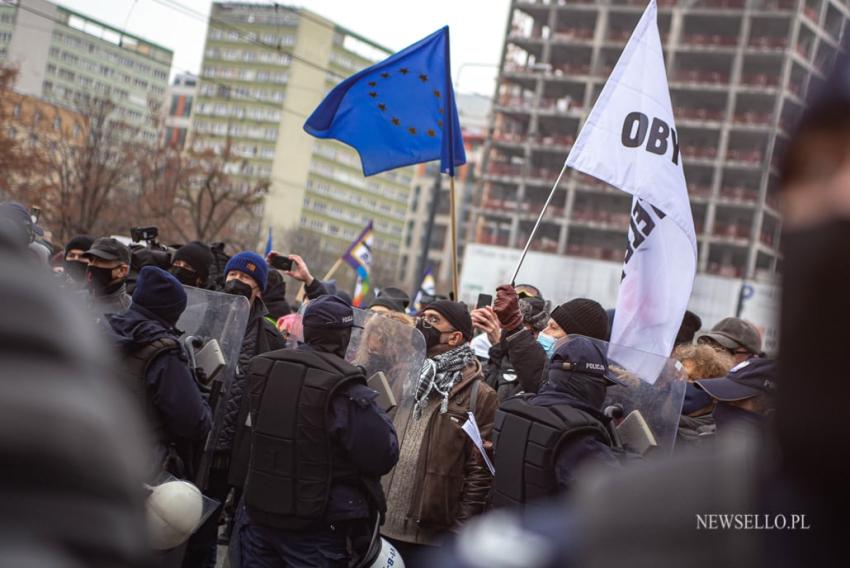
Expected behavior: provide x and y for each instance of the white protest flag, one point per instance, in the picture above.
(630, 141)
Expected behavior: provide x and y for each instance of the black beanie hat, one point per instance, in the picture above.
(79, 242)
(197, 255)
(582, 316)
(161, 293)
(456, 314)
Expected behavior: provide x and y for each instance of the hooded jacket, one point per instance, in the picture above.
(169, 383)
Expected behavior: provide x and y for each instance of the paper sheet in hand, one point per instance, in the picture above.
(471, 429)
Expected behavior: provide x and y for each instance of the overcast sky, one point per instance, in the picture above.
(477, 28)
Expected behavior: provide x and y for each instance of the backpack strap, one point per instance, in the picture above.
(473, 396)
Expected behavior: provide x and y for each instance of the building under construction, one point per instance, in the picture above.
(738, 72)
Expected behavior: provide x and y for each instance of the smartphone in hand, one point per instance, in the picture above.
(281, 262)
(484, 300)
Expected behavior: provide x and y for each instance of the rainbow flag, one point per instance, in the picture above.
(359, 257)
(428, 288)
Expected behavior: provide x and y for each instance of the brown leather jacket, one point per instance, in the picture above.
(444, 481)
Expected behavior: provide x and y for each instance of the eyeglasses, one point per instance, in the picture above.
(431, 321)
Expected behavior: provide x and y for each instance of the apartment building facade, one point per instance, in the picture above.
(68, 58)
(738, 71)
(265, 69)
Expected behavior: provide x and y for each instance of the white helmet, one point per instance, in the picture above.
(388, 557)
(175, 509)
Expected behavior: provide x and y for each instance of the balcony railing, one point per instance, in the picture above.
(768, 42)
(699, 190)
(503, 169)
(739, 193)
(573, 34)
(526, 103)
(700, 152)
(487, 238)
(541, 244)
(710, 40)
(721, 3)
(572, 69)
(699, 76)
(725, 270)
(513, 137)
(731, 230)
(744, 156)
(700, 114)
(760, 80)
(620, 220)
(552, 140)
(752, 117)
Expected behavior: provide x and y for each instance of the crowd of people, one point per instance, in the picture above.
(309, 465)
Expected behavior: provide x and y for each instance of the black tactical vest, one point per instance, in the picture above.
(292, 463)
(135, 369)
(526, 439)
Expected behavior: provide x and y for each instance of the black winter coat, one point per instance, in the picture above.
(275, 298)
(170, 384)
(261, 336)
(517, 364)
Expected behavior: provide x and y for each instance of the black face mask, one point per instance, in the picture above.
(238, 288)
(813, 337)
(431, 334)
(99, 279)
(695, 399)
(732, 419)
(186, 276)
(76, 270)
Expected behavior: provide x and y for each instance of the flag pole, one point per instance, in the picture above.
(537, 224)
(454, 236)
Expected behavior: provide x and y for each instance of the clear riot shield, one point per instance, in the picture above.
(651, 395)
(222, 317)
(392, 346)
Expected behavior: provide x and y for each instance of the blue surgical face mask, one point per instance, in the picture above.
(547, 342)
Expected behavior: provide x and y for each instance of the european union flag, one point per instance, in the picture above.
(398, 112)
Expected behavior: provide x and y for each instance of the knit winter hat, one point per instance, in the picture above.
(79, 242)
(197, 255)
(456, 314)
(161, 293)
(582, 316)
(252, 264)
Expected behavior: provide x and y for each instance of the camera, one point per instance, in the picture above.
(147, 234)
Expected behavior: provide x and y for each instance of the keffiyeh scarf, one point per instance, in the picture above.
(439, 375)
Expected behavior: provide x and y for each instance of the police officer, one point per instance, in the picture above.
(156, 370)
(319, 445)
(556, 431)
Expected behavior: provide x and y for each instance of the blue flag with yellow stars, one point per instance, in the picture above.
(398, 112)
